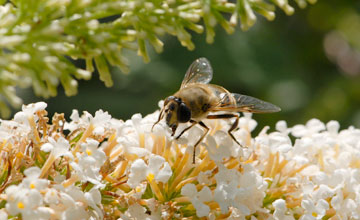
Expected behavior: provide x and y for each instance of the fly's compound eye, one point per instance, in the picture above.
(183, 113)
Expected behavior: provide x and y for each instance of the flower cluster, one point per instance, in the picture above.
(98, 167)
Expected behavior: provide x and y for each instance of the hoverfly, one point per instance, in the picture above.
(197, 100)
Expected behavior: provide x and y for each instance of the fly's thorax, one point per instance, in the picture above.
(198, 98)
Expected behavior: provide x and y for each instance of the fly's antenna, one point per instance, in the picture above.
(161, 115)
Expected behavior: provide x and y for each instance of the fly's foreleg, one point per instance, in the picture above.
(192, 125)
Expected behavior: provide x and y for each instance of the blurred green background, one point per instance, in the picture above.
(308, 64)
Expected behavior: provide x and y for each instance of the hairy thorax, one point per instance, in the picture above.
(198, 98)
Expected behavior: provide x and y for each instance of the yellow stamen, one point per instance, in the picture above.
(181, 163)
(70, 181)
(115, 202)
(232, 163)
(110, 179)
(292, 173)
(167, 151)
(111, 144)
(47, 165)
(275, 166)
(3, 144)
(182, 183)
(116, 153)
(20, 205)
(269, 165)
(19, 155)
(182, 199)
(178, 155)
(154, 186)
(181, 171)
(213, 205)
(120, 169)
(282, 165)
(85, 135)
(321, 160)
(200, 167)
(34, 129)
(142, 140)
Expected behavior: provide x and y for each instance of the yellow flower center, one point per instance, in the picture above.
(89, 152)
(32, 186)
(138, 189)
(314, 214)
(150, 177)
(20, 205)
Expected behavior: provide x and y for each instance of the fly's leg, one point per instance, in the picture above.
(192, 125)
(200, 140)
(233, 126)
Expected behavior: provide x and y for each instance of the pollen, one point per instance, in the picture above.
(20, 205)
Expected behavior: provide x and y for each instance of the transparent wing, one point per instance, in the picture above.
(243, 103)
(200, 71)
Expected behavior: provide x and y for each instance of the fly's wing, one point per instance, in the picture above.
(200, 71)
(242, 103)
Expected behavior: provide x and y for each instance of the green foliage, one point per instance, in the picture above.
(40, 39)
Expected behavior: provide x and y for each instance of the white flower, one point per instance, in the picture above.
(51, 196)
(198, 198)
(311, 127)
(3, 215)
(94, 201)
(204, 177)
(136, 211)
(32, 180)
(89, 163)
(74, 213)
(274, 142)
(333, 127)
(101, 121)
(244, 191)
(247, 122)
(29, 111)
(219, 146)
(27, 202)
(75, 121)
(280, 212)
(75, 203)
(281, 126)
(90, 149)
(131, 145)
(157, 166)
(57, 148)
(314, 210)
